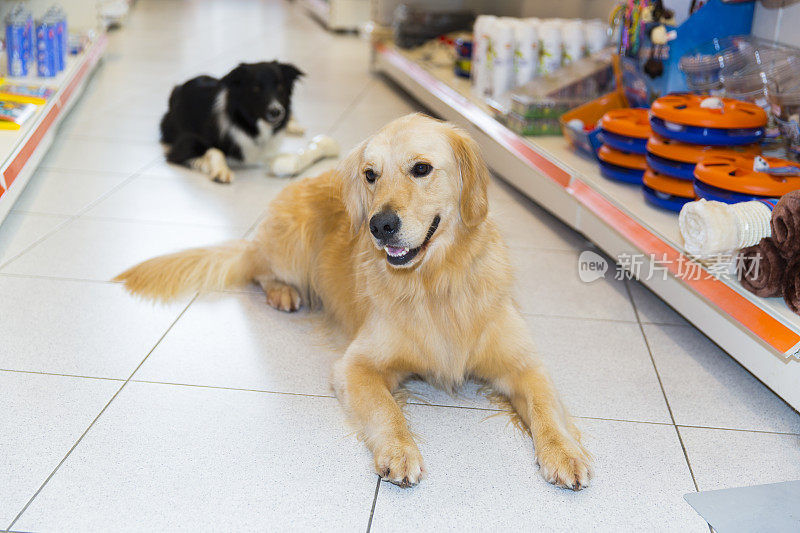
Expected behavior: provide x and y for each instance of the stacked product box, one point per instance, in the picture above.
(44, 41)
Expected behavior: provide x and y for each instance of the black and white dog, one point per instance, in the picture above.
(238, 116)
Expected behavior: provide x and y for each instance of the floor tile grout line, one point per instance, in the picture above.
(74, 217)
(63, 459)
(374, 501)
(255, 225)
(351, 106)
(759, 431)
(36, 242)
(103, 410)
(161, 222)
(240, 389)
(16, 211)
(93, 173)
(42, 373)
(119, 186)
(258, 291)
(661, 384)
(416, 403)
(593, 319)
(58, 278)
(89, 137)
(606, 419)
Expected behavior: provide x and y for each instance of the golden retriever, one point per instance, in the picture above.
(396, 246)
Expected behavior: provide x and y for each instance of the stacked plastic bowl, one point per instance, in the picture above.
(673, 169)
(689, 129)
(625, 157)
(622, 156)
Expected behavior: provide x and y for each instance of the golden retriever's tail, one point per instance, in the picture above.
(168, 277)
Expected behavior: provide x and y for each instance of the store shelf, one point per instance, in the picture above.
(762, 334)
(339, 15)
(21, 150)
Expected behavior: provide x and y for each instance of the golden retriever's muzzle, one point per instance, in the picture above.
(384, 227)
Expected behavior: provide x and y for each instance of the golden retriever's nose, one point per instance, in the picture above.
(384, 225)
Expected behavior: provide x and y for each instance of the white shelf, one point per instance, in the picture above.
(762, 334)
(339, 15)
(21, 150)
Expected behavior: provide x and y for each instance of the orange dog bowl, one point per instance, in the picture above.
(685, 109)
(621, 159)
(736, 174)
(631, 122)
(694, 153)
(673, 186)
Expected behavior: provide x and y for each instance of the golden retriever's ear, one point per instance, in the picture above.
(354, 191)
(474, 202)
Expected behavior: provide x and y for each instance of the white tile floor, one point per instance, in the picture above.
(216, 412)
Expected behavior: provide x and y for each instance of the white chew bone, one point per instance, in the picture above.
(575, 124)
(760, 164)
(710, 228)
(712, 102)
(320, 147)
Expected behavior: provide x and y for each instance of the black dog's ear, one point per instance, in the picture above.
(289, 72)
(237, 76)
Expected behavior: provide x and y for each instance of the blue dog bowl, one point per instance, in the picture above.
(673, 169)
(707, 136)
(623, 143)
(617, 173)
(709, 192)
(663, 200)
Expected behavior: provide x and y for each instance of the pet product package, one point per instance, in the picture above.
(526, 50)
(551, 52)
(481, 65)
(502, 53)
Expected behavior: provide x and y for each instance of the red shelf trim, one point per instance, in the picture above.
(93, 55)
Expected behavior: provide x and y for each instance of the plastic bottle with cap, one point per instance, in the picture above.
(595, 36)
(481, 61)
(502, 44)
(526, 50)
(551, 51)
(574, 40)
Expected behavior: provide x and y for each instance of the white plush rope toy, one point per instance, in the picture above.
(292, 164)
(710, 228)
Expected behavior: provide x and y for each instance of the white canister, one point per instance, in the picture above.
(481, 70)
(501, 36)
(574, 43)
(526, 51)
(596, 35)
(550, 54)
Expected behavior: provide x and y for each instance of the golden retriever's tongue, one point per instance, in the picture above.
(396, 252)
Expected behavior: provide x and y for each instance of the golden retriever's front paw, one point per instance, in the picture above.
(400, 463)
(283, 297)
(567, 465)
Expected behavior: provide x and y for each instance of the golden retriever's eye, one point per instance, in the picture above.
(370, 175)
(421, 169)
